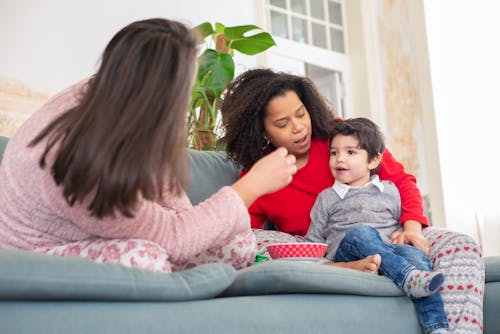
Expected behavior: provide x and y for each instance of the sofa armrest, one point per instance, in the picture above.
(492, 268)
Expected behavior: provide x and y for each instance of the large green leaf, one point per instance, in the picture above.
(249, 45)
(196, 97)
(204, 29)
(219, 27)
(215, 70)
(237, 32)
(253, 44)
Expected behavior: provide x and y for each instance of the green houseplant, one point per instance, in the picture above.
(215, 71)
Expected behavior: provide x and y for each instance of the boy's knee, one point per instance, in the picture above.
(415, 256)
(361, 232)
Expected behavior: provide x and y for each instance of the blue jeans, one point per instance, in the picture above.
(397, 261)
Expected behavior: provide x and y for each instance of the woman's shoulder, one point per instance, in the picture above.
(319, 145)
(55, 106)
(390, 188)
(67, 98)
(319, 150)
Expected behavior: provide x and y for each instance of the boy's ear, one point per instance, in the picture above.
(375, 161)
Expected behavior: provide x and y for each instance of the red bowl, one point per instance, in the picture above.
(297, 250)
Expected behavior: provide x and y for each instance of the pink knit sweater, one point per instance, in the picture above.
(35, 215)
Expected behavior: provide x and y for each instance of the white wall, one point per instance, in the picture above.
(464, 53)
(50, 44)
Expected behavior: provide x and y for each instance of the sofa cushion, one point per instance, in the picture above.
(273, 277)
(31, 276)
(210, 171)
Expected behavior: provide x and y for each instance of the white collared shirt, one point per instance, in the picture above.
(341, 188)
(341, 207)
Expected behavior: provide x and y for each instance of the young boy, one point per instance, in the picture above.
(358, 214)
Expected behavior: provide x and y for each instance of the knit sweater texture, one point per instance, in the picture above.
(332, 216)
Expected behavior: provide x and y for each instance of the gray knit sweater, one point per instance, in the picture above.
(340, 207)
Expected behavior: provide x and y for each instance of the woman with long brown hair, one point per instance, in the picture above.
(100, 169)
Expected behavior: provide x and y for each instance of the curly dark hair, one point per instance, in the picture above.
(243, 109)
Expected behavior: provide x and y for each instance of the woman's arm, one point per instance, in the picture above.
(184, 230)
(411, 234)
(412, 207)
(257, 218)
(271, 173)
(258, 177)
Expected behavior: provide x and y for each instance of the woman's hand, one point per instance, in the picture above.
(269, 174)
(411, 234)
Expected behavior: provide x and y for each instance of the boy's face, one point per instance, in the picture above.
(349, 163)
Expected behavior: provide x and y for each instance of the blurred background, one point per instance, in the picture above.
(426, 71)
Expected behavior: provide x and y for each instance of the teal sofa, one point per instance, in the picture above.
(46, 294)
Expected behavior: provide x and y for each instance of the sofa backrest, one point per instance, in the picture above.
(210, 171)
(3, 143)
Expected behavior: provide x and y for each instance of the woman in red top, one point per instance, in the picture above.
(263, 110)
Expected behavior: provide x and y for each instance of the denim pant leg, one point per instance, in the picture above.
(430, 310)
(362, 241)
(397, 261)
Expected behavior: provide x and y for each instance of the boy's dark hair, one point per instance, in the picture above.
(243, 109)
(367, 133)
(125, 140)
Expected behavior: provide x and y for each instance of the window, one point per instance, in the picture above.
(313, 22)
(330, 85)
(310, 37)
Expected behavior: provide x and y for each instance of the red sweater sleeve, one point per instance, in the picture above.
(412, 207)
(257, 219)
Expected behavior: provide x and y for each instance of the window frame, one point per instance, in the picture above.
(292, 56)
